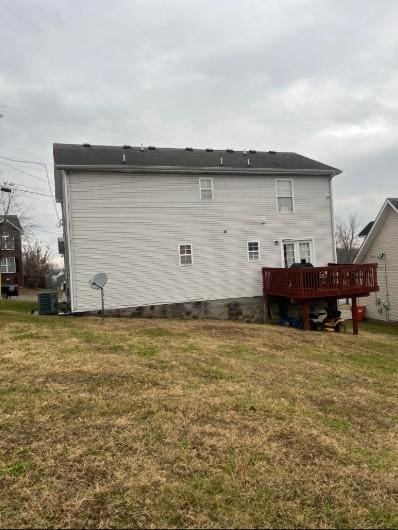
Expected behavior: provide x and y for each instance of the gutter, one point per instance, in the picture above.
(173, 170)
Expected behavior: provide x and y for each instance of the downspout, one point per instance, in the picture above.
(386, 283)
(332, 219)
(66, 231)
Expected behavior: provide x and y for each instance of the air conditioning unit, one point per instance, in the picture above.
(47, 302)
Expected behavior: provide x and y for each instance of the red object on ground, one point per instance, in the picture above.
(361, 312)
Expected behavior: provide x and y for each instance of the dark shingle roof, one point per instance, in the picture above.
(13, 219)
(394, 202)
(365, 231)
(69, 155)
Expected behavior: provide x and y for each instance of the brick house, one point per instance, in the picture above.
(11, 250)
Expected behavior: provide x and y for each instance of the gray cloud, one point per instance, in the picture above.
(316, 77)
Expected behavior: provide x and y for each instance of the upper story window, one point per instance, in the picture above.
(253, 250)
(185, 254)
(7, 265)
(7, 242)
(284, 195)
(206, 188)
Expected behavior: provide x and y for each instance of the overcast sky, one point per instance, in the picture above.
(317, 77)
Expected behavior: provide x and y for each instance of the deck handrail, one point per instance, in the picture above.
(315, 282)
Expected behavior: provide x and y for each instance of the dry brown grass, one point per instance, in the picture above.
(134, 423)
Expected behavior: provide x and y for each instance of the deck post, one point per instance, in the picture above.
(267, 309)
(354, 313)
(305, 306)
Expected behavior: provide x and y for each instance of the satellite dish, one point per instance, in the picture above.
(99, 281)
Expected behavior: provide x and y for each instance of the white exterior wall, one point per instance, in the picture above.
(385, 241)
(130, 227)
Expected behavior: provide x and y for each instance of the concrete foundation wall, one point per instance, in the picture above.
(250, 309)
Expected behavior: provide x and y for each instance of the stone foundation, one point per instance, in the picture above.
(250, 309)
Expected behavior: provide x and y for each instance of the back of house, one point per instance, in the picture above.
(187, 231)
(381, 245)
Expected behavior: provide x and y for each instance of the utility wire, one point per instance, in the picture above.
(21, 170)
(42, 164)
(80, 124)
(34, 192)
(34, 188)
(22, 160)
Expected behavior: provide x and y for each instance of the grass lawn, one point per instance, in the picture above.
(184, 424)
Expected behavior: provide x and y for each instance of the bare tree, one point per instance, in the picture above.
(347, 241)
(36, 264)
(11, 204)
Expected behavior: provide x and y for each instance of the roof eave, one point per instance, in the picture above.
(196, 170)
(19, 228)
(370, 237)
(392, 205)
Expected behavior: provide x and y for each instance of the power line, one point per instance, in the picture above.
(20, 170)
(12, 183)
(42, 164)
(22, 160)
(34, 192)
(80, 124)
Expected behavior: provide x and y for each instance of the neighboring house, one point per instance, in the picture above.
(381, 246)
(187, 231)
(11, 250)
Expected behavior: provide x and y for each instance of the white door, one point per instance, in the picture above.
(296, 250)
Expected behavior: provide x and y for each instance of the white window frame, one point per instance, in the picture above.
(277, 196)
(7, 238)
(180, 255)
(7, 266)
(201, 188)
(249, 251)
(296, 243)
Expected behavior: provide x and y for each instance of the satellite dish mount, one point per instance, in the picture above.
(98, 282)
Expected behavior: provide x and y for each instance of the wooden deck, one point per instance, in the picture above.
(337, 281)
(304, 285)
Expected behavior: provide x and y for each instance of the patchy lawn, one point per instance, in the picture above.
(185, 424)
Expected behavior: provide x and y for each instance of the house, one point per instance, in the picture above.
(10, 251)
(381, 245)
(186, 232)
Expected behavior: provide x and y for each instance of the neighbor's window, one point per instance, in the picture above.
(206, 188)
(7, 242)
(7, 265)
(284, 195)
(253, 251)
(186, 257)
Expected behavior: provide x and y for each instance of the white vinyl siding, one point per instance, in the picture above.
(7, 265)
(385, 242)
(284, 195)
(130, 226)
(206, 188)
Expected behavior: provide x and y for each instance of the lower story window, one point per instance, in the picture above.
(7, 265)
(253, 250)
(185, 253)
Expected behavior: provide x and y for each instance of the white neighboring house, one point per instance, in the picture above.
(381, 246)
(188, 226)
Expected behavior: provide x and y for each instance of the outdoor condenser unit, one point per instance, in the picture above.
(47, 303)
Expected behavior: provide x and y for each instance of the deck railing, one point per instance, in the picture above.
(317, 282)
